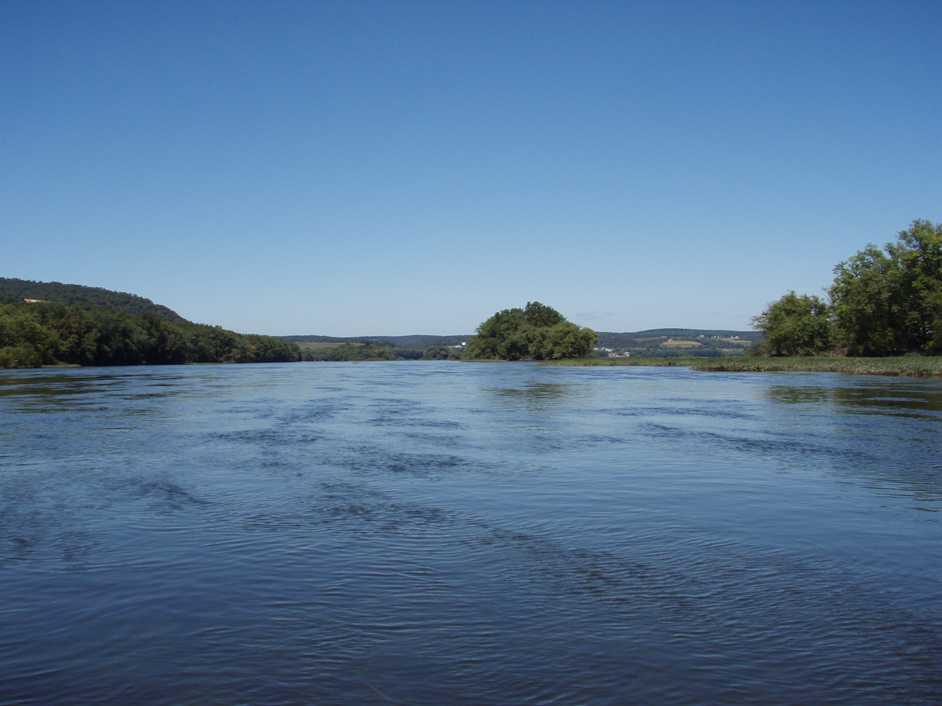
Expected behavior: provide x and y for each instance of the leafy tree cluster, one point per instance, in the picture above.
(41, 334)
(796, 325)
(367, 350)
(882, 302)
(442, 353)
(536, 332)
(349, 352)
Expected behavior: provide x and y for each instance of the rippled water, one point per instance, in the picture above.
(442, 533)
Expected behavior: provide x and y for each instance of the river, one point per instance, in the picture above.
(459, 533)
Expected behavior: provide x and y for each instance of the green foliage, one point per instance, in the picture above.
(796, 325)
(349, 352)
(884, 302)
(889, 301)
(536, 332)
(866, 304)
(442, 353)
(15, 291)
(539, 315)
(42, 334)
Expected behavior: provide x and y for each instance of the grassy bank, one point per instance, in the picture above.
(913, 366)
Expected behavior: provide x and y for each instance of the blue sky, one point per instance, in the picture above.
(358, 168)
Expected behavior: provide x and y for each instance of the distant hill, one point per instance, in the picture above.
(15, 291)
(680, 341)
(50, 323)
(415, 342)
(660, 342)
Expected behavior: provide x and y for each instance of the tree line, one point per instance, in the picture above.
(882, 302)
(38, 334)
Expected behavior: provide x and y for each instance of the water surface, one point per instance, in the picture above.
(442, 533)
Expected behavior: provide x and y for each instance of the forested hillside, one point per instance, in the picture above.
(52, 323)
(15, 291)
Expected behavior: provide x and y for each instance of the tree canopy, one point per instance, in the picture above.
(882, 302)
(15, 291)
(796, 325)
(890, 301)
(47, 333)
(536, 332)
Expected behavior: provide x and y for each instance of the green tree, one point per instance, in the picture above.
(918, 258)
(796, 325)
(540, 315)
(536, 332)
(889, 301)
(867, 307)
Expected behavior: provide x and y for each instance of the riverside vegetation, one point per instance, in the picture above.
(53, 323)
(882, 303)
(882, 315)
(911, 366)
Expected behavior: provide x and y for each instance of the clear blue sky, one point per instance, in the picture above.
(391, 167)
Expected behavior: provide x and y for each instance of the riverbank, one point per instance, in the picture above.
(910, 366)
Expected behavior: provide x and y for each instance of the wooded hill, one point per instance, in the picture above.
(16, 291)
(48, 323)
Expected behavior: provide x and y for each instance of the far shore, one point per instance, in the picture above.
(901, 366)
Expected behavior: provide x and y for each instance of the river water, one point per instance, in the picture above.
(457, 533)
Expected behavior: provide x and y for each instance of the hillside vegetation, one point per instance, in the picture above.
(16, 291)
(72, 324)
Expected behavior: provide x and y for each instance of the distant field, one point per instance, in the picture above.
(681, 344)
(323, 345)
(913, 366)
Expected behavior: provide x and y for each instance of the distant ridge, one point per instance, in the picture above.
(688, 332)
(417, 341)
(660, 340)
(14, 291)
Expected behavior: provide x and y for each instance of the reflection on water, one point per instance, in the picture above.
(536, 396)
(431, 533)
(917, 400)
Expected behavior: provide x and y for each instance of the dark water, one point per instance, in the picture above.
(435, 533)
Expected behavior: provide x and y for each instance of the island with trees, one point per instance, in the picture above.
(535, 332)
